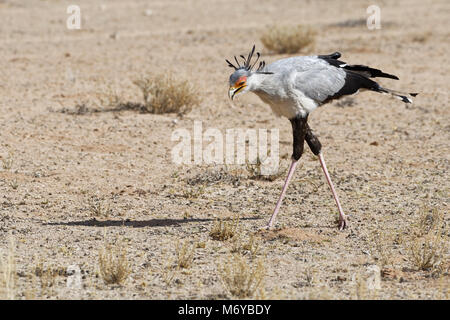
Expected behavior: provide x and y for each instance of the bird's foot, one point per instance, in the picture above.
(342, 222)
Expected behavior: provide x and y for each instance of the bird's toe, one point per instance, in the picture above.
(342, 224)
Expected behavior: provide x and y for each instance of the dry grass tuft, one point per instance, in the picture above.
(310, 276)
(383, 243)
(426, 252)
(169, 271)
(429, 221)
(421, 37)
(241, 278)
(288, 39)
(224, 230)
(47, 276)
(251, 247)
(254, 171)
(428, 244)
(185, 254)
(7, 162)
(99, 209)
(215, 176)
(165, 94)
(193, 193)
(113, 264)
(8, 274)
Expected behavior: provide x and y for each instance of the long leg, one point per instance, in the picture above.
(283, 192)
(316, 147)
(299, 127)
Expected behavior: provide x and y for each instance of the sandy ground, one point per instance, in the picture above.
(389, 162)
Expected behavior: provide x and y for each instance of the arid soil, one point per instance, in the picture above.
(73, 181)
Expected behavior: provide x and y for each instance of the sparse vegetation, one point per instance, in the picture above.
(47, 275)
(310, 276)
(288, 39)
(426, 252)
(81, 155)
(99, 208)
(251, 247)
(241, 278)
(350, 23)
(185, 254)
(166, 94)
(81, 108)
(427, 244)
(7, 162)
(211, 177)
(382, 243)
(8, 273)
(254, 171)
(14, 184)
(421, 37)
(114, 266)
(193, 192)
(224, 230)
(169, 271)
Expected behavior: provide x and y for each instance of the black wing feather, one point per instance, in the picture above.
(358, 68)
(353, 82)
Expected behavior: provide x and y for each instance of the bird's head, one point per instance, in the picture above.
(239, 78)
(238, 82)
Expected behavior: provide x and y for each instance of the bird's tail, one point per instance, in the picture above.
(405, 97)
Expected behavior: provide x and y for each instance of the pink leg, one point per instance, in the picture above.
(283, 192)
(342, 217)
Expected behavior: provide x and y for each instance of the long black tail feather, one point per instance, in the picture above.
(358, 68)
(369, 72)
(354, 81)
(399, 95)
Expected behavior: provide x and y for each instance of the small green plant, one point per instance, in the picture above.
(288, 39)
(166, 94)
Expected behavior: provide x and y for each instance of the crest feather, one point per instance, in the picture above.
(247, 62)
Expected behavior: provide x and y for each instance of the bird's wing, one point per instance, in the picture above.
(366, 71)
(317, 79)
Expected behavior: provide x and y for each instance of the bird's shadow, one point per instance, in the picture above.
(136, 223)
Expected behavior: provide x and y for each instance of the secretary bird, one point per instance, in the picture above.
(294, 87)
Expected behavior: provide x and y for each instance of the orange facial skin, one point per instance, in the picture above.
(241, 81)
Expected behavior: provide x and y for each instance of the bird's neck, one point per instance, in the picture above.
(256, 81)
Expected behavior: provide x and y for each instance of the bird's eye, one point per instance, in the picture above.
(241, 83)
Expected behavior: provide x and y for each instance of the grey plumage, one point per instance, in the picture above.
(296, 86)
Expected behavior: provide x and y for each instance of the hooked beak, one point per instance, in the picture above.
(233, 90)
